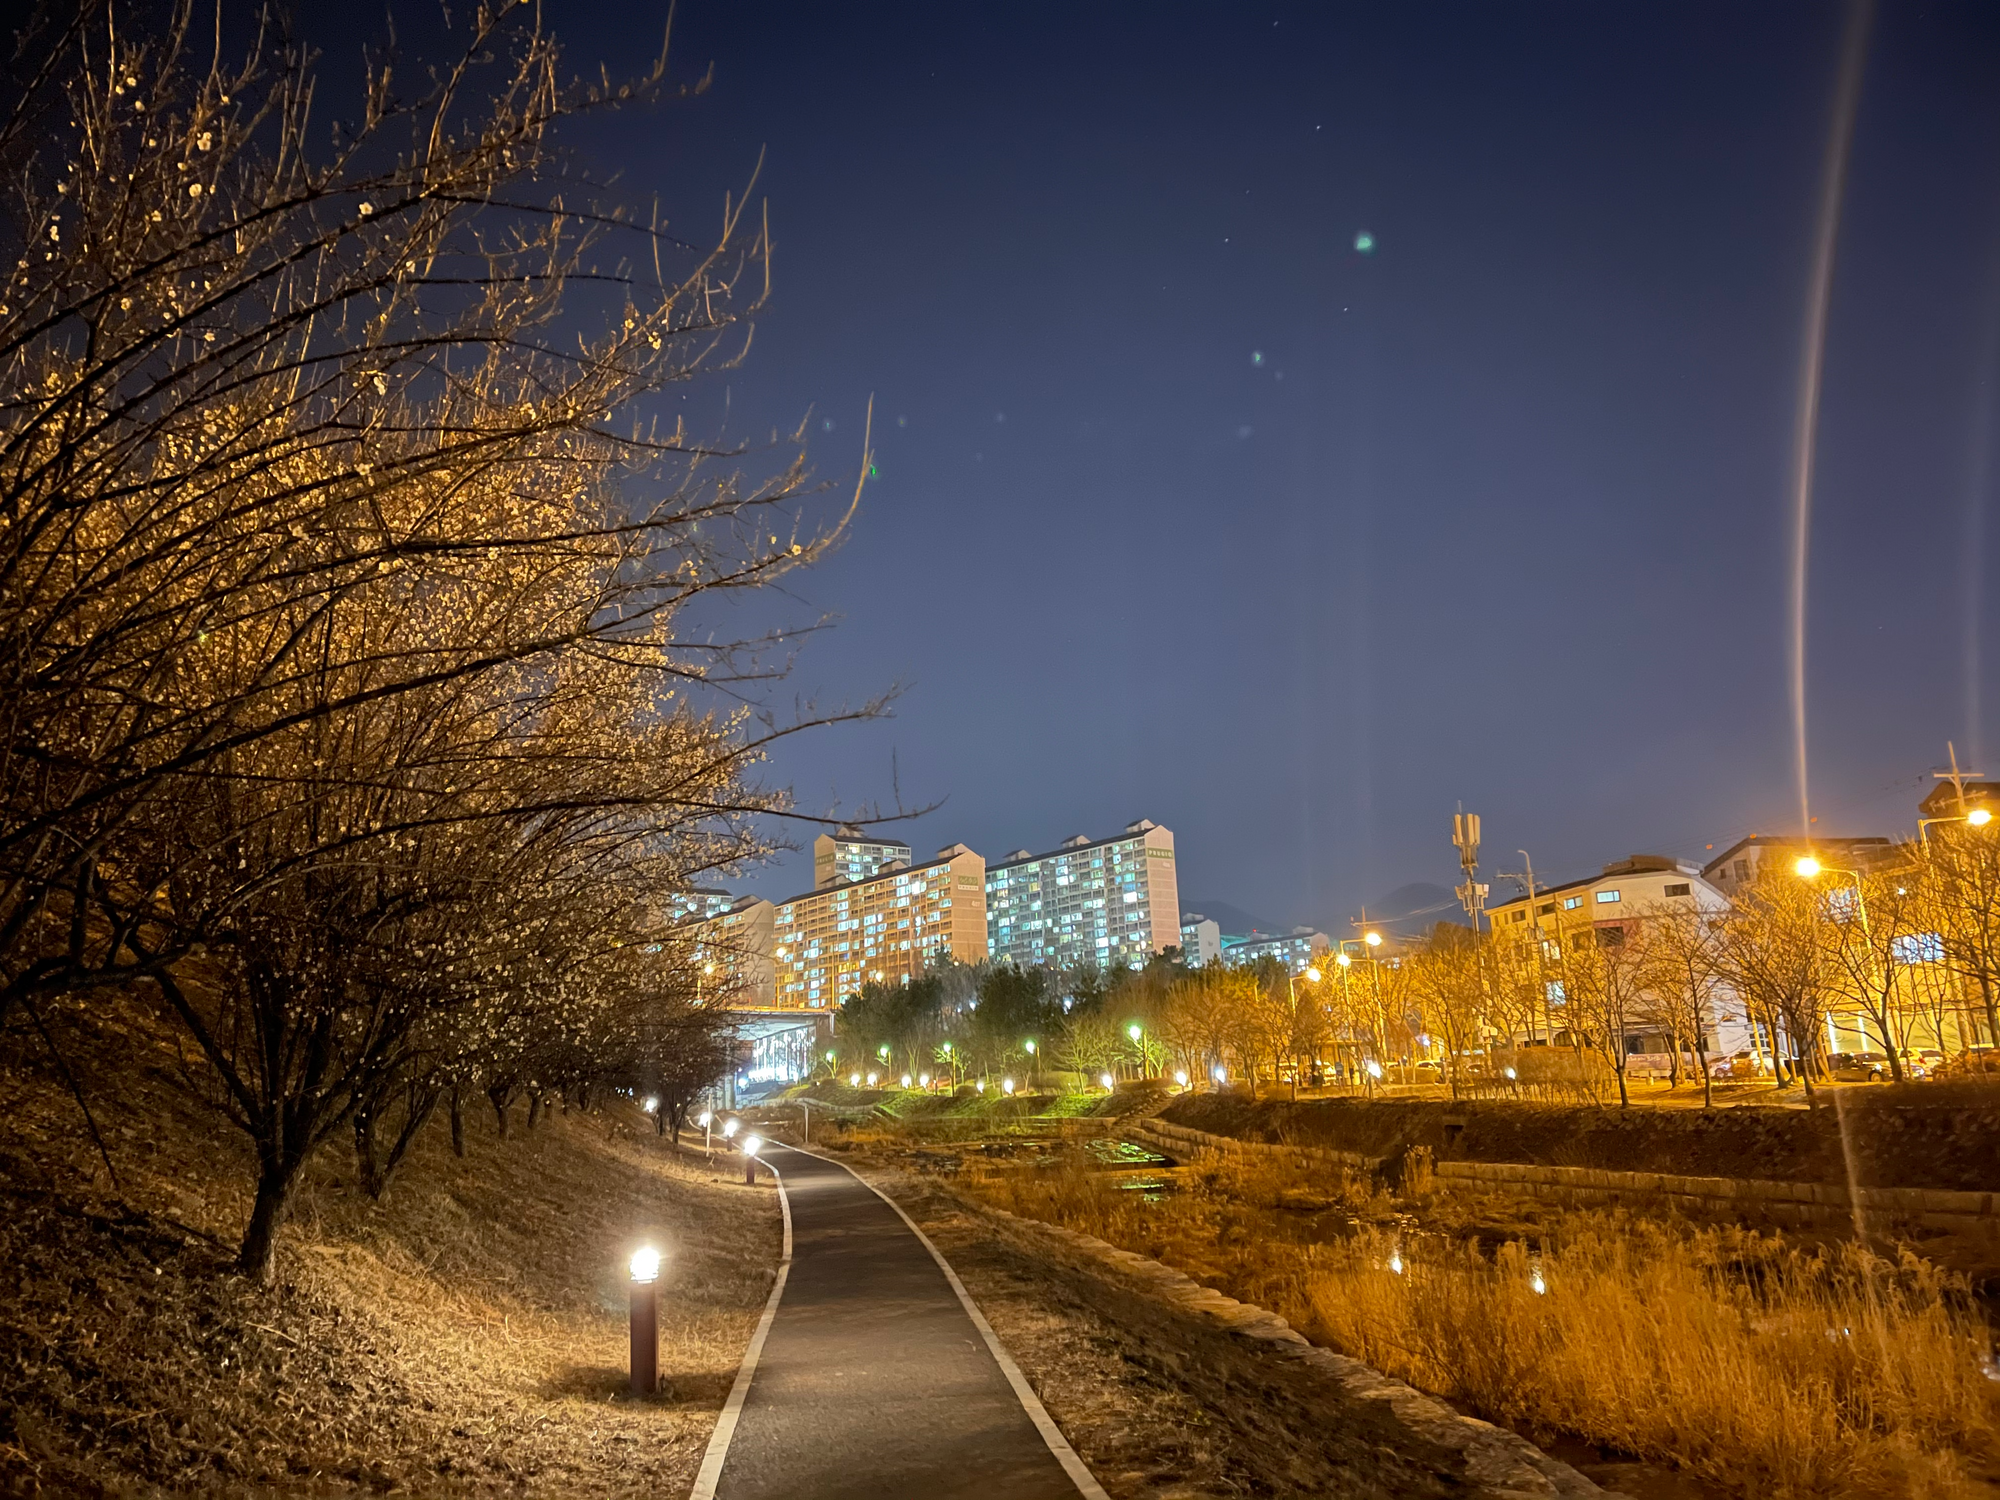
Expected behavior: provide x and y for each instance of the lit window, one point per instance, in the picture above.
(1606, 897)
(1571, 903)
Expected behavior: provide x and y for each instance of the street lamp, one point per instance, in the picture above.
(1979, 817)
(645, 1271)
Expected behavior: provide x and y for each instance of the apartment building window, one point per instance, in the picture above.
(1605, 898)
(1677, 890)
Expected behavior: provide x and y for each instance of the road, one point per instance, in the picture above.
(872, 1375)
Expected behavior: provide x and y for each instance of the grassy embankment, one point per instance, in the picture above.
(1769, 1369)
(464, 1336)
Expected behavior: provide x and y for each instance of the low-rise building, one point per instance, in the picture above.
(886, 928)
(1735, 869)
(1089, 901)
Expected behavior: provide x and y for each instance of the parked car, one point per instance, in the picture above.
(1860, 1067)
(1742, 1065)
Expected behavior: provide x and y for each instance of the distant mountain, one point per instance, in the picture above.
(1412, 910)
(1233, 920)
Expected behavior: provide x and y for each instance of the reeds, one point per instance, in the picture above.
(1768, 1369)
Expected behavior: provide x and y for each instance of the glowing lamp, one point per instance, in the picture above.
(645, 1264)
(1108, 1081)
(1979, 817)
(728, 1128)
(1373, 939)
(1343, 959)
(650, 1105)
(1313, 975)
(1181, 1078)
(1806, 866)
(906, 1080)
(752, 1144)
(1006, 1085)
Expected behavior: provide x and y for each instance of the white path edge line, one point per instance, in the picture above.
(1085, 1482)
(725, 1425)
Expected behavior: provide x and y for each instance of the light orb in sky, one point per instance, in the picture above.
(1364, 242)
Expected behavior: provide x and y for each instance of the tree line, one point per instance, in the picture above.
(360, 703)
(1903, 955)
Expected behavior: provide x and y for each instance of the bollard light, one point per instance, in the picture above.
(645, 1269)
(854, 1080)
(1180, 1077)
(704, 1119)
(1007, 1085)
(980, 1087)
(751, 1145)
(923, 1080)
(1510, 1073)
(906, 1080)
(871, 1079)
(729, 1129)
(650, 1105)
(1107, 1080)
(1374, 1068)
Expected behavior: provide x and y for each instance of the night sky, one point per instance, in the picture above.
(1190, 509)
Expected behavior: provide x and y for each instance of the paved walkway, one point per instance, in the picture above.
(873, 1376)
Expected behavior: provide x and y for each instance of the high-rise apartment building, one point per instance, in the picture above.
(849, 854)
(1201, 940)
(884, 928)
(1090, 901)
(733, 955)
(1298, 950)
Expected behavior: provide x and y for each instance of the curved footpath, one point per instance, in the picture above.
(872, 1373)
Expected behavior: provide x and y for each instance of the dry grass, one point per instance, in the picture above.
(465, 1336)
(1764, 1368)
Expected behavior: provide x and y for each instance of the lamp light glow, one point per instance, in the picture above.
(1806, 866)
(1374, 1068)
(704, 1119)
(650, 1105)
(1135, 1031)
(1180, 1077)
(854, 1080)
(1979, 817)
(1373, 939)
(906, 1080)
(752, 1144)
(1107, 1080)
(871, 1079)
(923, 1080)
(645, 1264)
(728, 1128)
(1343, 959)
(1006, 1085)
(1313, 974)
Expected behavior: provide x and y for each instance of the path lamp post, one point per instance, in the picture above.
(1138, 1035)
(1007, 1086)
(645, 1269)
(751, 1146)
(729, 1129)
(1110, 1083)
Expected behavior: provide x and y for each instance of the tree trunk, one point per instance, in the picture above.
(259, 1253)
(372, 1179)
(1707, 1083)
(534, 1108)
(457, 1124)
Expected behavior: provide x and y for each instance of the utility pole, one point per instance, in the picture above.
(1541, 954)
(1955, 776)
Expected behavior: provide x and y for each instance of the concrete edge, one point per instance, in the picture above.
(1494, 1464)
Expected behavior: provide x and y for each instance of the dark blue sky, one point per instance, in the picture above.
(1189, 510)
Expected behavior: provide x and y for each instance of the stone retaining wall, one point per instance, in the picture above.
(1790, 1203)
